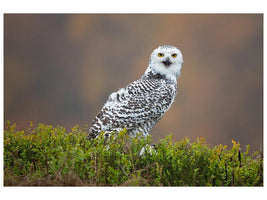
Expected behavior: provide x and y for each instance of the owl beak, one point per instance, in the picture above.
(167, 62)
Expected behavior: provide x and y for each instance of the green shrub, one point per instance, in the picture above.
(48, 155)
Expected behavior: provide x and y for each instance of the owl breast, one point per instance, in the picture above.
(137, 107)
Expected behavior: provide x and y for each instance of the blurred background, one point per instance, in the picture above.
(60, 69)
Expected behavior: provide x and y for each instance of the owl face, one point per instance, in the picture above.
(167, 60)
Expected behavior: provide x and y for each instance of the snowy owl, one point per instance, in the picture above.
(142, 103)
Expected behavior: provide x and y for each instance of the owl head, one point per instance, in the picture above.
(167, 61)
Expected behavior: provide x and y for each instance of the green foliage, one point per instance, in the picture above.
(48, 155)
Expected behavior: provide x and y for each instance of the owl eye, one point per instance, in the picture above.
(160, 54)
(174, 55)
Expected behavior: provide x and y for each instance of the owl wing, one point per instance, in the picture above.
(139, 102)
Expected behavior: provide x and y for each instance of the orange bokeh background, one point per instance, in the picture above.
(60, 69)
